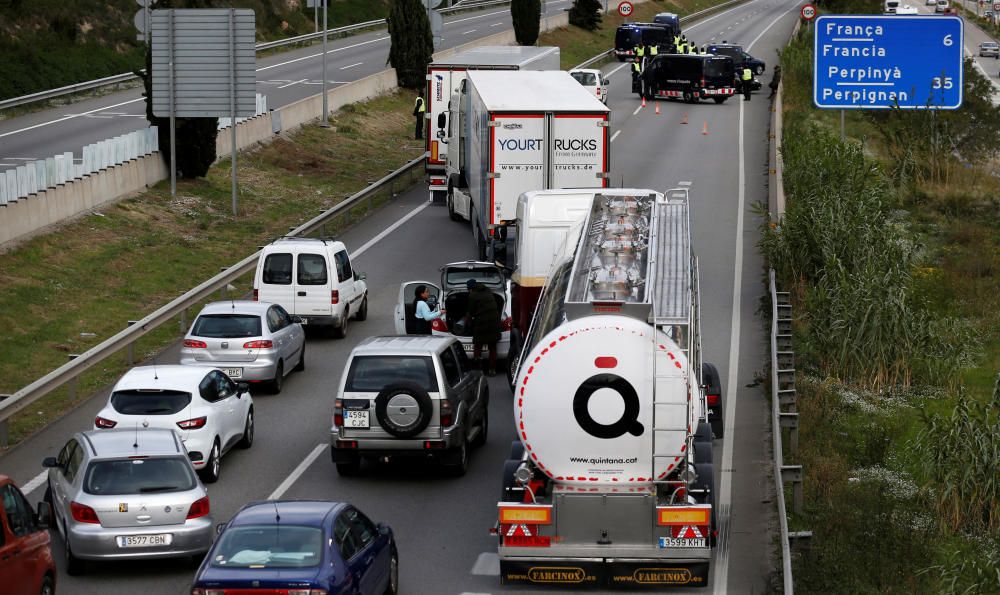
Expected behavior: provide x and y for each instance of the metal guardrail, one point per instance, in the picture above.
(128, 76)
(684, 19)
(124, 340)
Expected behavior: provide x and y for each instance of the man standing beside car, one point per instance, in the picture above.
(485, 315)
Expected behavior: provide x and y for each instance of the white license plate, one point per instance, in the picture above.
(668, 542)
(305, 321)
(356, 419)
(233, 372)
(144, 540)
(468, 347)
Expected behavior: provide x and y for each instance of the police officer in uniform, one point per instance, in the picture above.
(640, 53)
(418, 113)
(636, 74)
(747, 80)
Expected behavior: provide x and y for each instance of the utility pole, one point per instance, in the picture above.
(324, 123)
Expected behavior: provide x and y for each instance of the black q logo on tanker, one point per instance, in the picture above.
(629, 421)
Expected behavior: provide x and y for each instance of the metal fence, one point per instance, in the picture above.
(307, 38)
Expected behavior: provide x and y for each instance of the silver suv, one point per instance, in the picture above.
(127, 493)
(409, 396)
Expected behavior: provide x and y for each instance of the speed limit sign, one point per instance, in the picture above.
(625, 8)
(996, 6)
(808, 12)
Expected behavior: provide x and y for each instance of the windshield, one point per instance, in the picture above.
(151, 402)
(626, 38)
(719, 68)
(487, 275)
(227, 326)
(139, 476)
(372, 373)
(269, 546)
(585, 78)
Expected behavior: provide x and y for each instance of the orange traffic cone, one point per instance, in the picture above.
(685, 120)
(704, 129)
(657, 108)
(643, 101)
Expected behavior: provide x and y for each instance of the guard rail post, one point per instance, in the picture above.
(130, 350)
(71, 385)
(4, 427)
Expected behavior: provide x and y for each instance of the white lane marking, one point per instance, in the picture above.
(346, 47)
(614, 136)
(35, 483)
(684, 183)
(387, 231)
(617, 69)
(469, 31)
(298, 471)
(496, 24)
(64, 118)
(292, 83)
(327, 82)
(721, 570)
(487, 564)
(637, 109)
(22, 158)
(351, 65)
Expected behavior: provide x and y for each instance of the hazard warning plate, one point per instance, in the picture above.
(669, 542)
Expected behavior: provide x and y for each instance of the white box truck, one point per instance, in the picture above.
(521, 131)
(444, 78)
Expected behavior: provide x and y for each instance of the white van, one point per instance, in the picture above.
(313, 279)
(942, 6)
(890, 6)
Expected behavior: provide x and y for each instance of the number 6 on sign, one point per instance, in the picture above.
(947, 41)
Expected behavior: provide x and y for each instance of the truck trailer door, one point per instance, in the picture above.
(579, 151)
(517, 162)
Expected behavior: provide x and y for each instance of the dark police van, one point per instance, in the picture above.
(629, 36)
(739, 56)
(688, 77)
(670, 20)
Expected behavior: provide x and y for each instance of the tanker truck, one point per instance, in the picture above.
(611, 482)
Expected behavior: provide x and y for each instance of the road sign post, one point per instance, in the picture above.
(882, 62)
(808, 12)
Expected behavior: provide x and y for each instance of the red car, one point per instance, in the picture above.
(26, 563)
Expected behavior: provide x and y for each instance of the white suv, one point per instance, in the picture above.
(209, 411)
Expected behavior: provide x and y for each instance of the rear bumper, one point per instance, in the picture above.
(94, 542)
(629, 573)
(332, 320)
(262, 368)
(396, 447)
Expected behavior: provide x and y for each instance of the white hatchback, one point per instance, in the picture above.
(594, 80)
(210, 412)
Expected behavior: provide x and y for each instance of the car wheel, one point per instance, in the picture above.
(461, 461)
(363, 310)
(48, 587)
(210, 474)
(393, 587)
(279, 378)
(759, 70)
(341, 331)
(74, 566)
(301, 366)
(247, 440)
(349, 469)
(484, 428)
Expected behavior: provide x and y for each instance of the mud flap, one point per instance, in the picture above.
(622, 575)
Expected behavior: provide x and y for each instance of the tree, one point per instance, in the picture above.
(585, 14)
(412, 44)
(526, 15)
(195, 136)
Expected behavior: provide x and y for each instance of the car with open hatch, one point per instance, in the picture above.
(26, 562)
(127, 494)
(300, 547)
(409, 396)
(452, 293)
(254, 342)
(210, 413)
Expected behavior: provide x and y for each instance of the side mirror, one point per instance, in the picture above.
(242, 387)
(384, 529)
(296, 320)
(607, 81)
(50, 463)
(220, 528)
(442, 121)
(44, 516)
(361, 276)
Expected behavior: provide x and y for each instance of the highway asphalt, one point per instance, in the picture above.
(442, 523)
(989, 67)
(284, 78)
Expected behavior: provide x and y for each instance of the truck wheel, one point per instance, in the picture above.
(450, 199)
(710, 378)
(513, 356)
(688, 97)
(706, 494)
(509, 467)
(391, 407)
(517, 450)
(704, 433)
(702, 453)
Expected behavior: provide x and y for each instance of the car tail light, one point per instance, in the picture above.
(200, 508)
(447, 419)
(258, 344)
(347, 443)
(200, 591)
(83, 513)
(703, 82)
(193, 424)
(713, 400)
(338, 413)
(598, 91)
(439, 325)
(256, 295)
(334, 297)
(506, 323)
(195, 344)
(103, 423)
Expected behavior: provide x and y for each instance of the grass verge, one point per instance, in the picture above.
(900, 469)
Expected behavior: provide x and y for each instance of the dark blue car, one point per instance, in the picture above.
(295, 546)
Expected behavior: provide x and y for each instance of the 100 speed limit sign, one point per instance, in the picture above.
(625, 9)
(808, 12)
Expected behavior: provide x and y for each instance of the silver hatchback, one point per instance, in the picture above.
(253, 342)
(127, 494)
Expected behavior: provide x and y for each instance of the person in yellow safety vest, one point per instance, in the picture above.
(636, 73)
(677, 40)
(693, 50)
(653, 50)
(747, 80)
(682, 47)
(418, 112)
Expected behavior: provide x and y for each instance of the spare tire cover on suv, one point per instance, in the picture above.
(403, 409)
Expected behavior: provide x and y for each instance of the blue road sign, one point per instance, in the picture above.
(879, 62)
